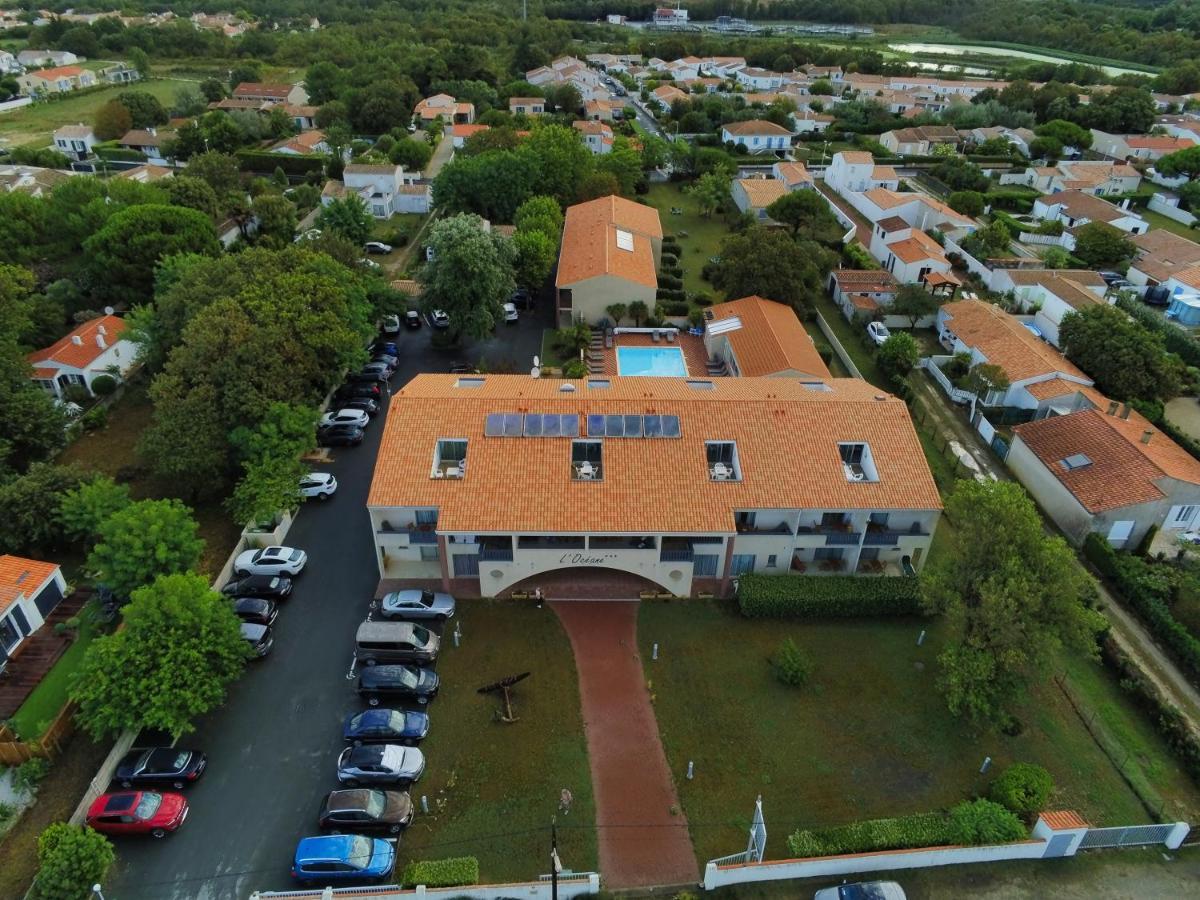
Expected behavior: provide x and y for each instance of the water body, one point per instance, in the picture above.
(969, 50)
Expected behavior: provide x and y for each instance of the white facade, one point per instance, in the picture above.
(26, 599)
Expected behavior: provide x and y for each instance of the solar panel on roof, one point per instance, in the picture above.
(670, 426)
(633, 426)
(720, 326)
(512, 424)
(614, 426)
(533, 424)
(653, 425)
(569, 425)
(549, 426)
(494, 425)
(595, 426)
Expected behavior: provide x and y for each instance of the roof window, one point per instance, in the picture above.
(857, 463)
(469, 382)
(450, 458)
(587, 460)
(722, 460)
(1075, 461)
(599, 383)
(624, 240)
(700, 384)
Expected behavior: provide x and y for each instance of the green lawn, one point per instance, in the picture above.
(495, 786)
(703, 236)
(41, 707)
(869, 737)
(850, 339)
(35, 124)
(1158, 220)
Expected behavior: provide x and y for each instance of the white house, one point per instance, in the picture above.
(854, 171)
(1151, 147)
(92, 349)
(451, 110)
(307, 143)
(911, 255)
(918, 141)
(1075, 208)
(757, 136)
(29, 592)
(529, 106)
(32, 59)
(754, 195)
(794, 175)
(1161, 255)
(75, 141)
(758, 79)
(385, 189)
(275, 94)
(597, 136)
(59, 80)
(8, 63)
(1097, 177)
(808, 122)
(1020, 138)
(865, 292)
(1050, 294)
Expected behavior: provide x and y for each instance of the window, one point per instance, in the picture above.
(857, 464)
(1185, 513)
(878, 518)
(741, 563)
(587, 460)
(599, 383)
(1075, 461)
(450, 458)
(624, 240)
(427, 516)
(722, 461)
(9, 636)
(429, 553)
(466, 566)
(469, 382)
(816, 386)
(868, 553)
(771, 564)
(705, 565)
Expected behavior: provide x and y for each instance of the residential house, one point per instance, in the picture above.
(1152, 147)
(597, 136)
(75, 141)
(451, 111)
(806, 121)
(1050, 294)
(1161, 255)
(34, 59)
(920, 211)
(864, 292)
(722, 66)
(755, 79)
(528, 106)
(758, 338)
(833, 74)
(97, 347)
(757, 136)
(1020, 138)
(794, 175)
(707, 86)
(911, 255)
(919, 141)
(754, 195)
(539, 76)
(385, 189)
(1184, 126)
(32, 180)
(146, 173)
(302, 115)
(274, 94)
(460, 133)
(1075, 208)
(666, 17)
(60, 80)
(854, 171)
(609, 254)
(29, 592)
(306, 143)
(604, 110)
(1096, 177)
(120, 73)
(148, 141)
(666, 94)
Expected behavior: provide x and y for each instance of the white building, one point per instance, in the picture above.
(597, 136)
(75, 141)
(757, 136)
(385, 189)
(29, 592)
(92, 349)
(1074, 208)
(1050, 294)
(34, 59)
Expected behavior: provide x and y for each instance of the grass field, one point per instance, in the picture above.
(870, 736)
(40, 707)
(849, 338)
(703, 239)
(496, 786)
(1158, 220)
(36, 124)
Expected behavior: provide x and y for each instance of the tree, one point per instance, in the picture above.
(638, 311)
(470, 275)
(617, 311)
(173, 661)
(276, 220)
(71, 858)
(125, 251)
(596, 185)
(960, 174)
(187, 103)
(984, 378)
(1181, 162)
(1067, 133)
(1099, 244)
(564, 96)
(1126, 359)
(807, 214)
(323, 81)
(767, 262)
(382, 105)
(969, 203)
(193, 193)
(1047, 148)
(244, 72)
(1056, 258)
(29, 508)
(710, 191)
(898, 355)
(220, 170)
(1123, 110)
(144, 540)
(540, 214)
(975, 822)
(112, 120)
(212, 90)
(84, 509)
(144, 108)
(347, 216)
(784, 62)
(1023, 788)
(623, 163)
(914, 303)
(1010, 605)
(535, 252)
(492, 185)
(411, 153)
(561, 160)
(993, 239)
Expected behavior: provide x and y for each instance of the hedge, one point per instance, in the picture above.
(918, 830)
(264, 161)
(1148, 588)
(119, 154)
(784, 596)
(451, 872)
(1175, 339)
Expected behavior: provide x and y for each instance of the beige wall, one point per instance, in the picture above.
(590, 297)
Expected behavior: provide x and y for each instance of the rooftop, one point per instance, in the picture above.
(771, 339)
(1086, 206)
(80, 354)
(757, 126)
(21, 576)
(762, 192)
(590, 245)
(1005, 341)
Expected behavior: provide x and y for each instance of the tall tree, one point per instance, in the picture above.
(1099, 244)
(125, 251)
(470, 275)
(142, 541)
(914, 303)
(29, 508)
(85, 508)
(277, 220)
(347, 216)
(1126, 359)
(112, 120)
(808, 215)
(144, 108)
(535, 255)
(767, 262)
(562, 160)
(710, 191)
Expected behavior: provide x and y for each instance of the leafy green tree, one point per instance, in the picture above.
(969, 203)
(24, 223)
(596, 185)
(112, 120)
(29, 508)
(125, 251)
(710, 191)
(638, 311)
(84, 509)
(144, 108)
(983, 378)
(1099, 244)
(188, 102)
(1126, 359)
(144, 540)
(561, 160)
(220, 170)
(470, 275)
(540, 214)
(536, 252)
(382, 105)
(1011, 606)
(623, 163)
(71, 858)
(898, 355)
(808, 215)
(186, 443)
(212, 90)
(347, 216)
(975, 822)
(767, 262)
(1047, 148)
(324, 81)
(277, 220)
(173, 661)
(492, 185)
(1066, 132)
(267, 488)
(960, 174)
(413, 154)
(1023, 788)
(914, 303)
(193, 193)
(1056, 258)
(993, 239)
(284, 430)
(617, 311)
(1123, 110)
(1181, 162)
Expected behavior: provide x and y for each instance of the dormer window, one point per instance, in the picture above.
(1075, 461)
(450, 458)
(722, 460)
(587, 460)
(857, 464)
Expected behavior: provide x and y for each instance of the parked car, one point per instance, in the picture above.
(386, 726)
(137, 812)
(380, 764)
(273, 587)
(388, 347)
(1159, 295)
(1109, 276)
(360, 389)
(259, 637)
(320, 485)
(441, 319)
(417, 604)
(342, 857)
(344, 417)
(369, 263)
(390, 325)
(382, 356)
(878, 333)
(510, 312)
(271, 561)
(412, 320)
(378, 683)
(521, 298)
(366, 404)
(395, 642)
(364, 378)
(340, 436)
(381, 367)
(361, 810)
(379, 248)
(160, 765)
(256, 610)
(863, 890)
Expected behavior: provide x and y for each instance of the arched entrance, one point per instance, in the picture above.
(586, 583)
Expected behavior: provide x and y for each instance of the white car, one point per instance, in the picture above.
(270, 561)
(878, 332)
(345, 417)
(311, 235)
(441, 319)
(369, 263)
(863, 890)
(510, 312)
(320, 485)
(390, 325)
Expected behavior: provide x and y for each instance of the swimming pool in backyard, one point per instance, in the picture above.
(660, 362)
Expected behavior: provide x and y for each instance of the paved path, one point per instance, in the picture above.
(641, 843)
(442, 155)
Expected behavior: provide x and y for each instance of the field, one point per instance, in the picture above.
(703, 236)
(35, 124)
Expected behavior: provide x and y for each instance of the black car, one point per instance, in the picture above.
(255, 610)
(369, 389)
(378, 683)
(362, 811)
(366, 404)
(272, 587)
(159, 766)
(460, 368)
(521, 298)
(366, 376)
(259, 637)
(340, 436)
(1160, 295)
(412, 320)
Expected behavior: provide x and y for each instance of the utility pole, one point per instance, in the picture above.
(525, 10)
(554, 863)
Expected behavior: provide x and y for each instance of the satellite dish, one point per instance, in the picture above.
(536, 362)
(535, 372)
(108, 310)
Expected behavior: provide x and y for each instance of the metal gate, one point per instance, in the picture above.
(1132, 836)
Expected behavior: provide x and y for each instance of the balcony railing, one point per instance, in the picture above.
(496, 554)
(841, 538)
(891, 538)
(781, 528)
(416, 536)
(675, 556)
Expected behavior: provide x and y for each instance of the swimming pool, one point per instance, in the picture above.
(661, 362)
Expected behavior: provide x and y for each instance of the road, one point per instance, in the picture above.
(272, 747)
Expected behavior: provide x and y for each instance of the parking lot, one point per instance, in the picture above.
(273, 746)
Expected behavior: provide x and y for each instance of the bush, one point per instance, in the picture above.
(791, 665)
(1176, 340)
(669, 281)
(574, 369)
(71, 860)
(29, 773)
(918, 830)
(784, 596)
(94, 419)
(103, 385)
(975, 822)
(451, 872)
(1023, 788)
(672, 307)
(263, 161)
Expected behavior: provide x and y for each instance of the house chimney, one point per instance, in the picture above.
(1125, 411)
(153, 131)
(100, 342)
(1146, 435)
(76, 340)
(101, 329)
(1112, 407)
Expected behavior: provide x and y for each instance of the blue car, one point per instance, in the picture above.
(386, 726)
(342, 857)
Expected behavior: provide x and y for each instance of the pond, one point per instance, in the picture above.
(973, 50)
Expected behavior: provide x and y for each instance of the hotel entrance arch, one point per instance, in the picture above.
(587, 583)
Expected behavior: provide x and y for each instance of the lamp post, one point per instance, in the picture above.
(96, 891)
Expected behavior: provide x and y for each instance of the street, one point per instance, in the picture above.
(273, 746)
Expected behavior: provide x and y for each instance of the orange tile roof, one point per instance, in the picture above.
(856, 157)
(876, 281)
(465, 131)
(884, 173)
(793, 173)
(885, 199)
(771, 339)
(756, 126)
(786, 436)
(21, 576)
(762, 192)
(589, 241)
(1005, 341)
(66, 352)
(1059, 387)
(917, 247)
(262, 89)
(1158, 142)
(58, 72)
(1064, 819)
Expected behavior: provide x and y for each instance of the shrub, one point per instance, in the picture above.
(783, 596)
(984, 822)
(669, 281)
(103, 385)
(94, 418)
(451, 872)
(1023, 788)
(29, 773)
(574, 369)
(71, 860)
(918, 830)
(791, 665)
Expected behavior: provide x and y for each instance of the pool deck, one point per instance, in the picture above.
(694, 352)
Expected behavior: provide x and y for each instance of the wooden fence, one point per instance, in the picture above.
(13, 751)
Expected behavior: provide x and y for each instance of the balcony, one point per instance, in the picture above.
(839, 535)
(889, 538)
(416, 534)
(675, 556)
(495, 554)
(781, 528)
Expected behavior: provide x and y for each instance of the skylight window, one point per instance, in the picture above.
(816, 386)
(698, 384)
(469, 382)
(624, 240)
(1075, 461)
(720, 326)
(599, 383)
(857, 464)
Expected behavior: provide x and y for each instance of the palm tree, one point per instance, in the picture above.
(617, 311)
(639, 311)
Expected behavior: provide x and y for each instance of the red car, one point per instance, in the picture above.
(138, 812)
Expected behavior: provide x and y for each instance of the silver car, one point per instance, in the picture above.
(380, 764)
(417, 604)
(862, 890)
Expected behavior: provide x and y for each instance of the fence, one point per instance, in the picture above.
(930, 365)
(14, 752)
(12, 105)
(1130, 836)
(1049, 240)
(837, 347)
(1158, 203)
(577, 884)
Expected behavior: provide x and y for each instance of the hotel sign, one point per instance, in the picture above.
(583, 559)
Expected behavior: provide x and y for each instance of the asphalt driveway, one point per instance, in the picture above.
(273, 746)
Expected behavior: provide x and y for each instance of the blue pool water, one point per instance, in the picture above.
(661, 362)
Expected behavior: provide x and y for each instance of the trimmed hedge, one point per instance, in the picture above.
(1148, 588)
(784, 596)
(263, 161)
(918, 830)
(119, 154)
(452, 872)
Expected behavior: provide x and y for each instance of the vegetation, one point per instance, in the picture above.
(1099, 245)
(71, 858)
(1127, 360)
(470, 276)
(1023, 788)
(791, 665)
(785, 596)
(770, 263)
(442, 872)
(143, 540)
